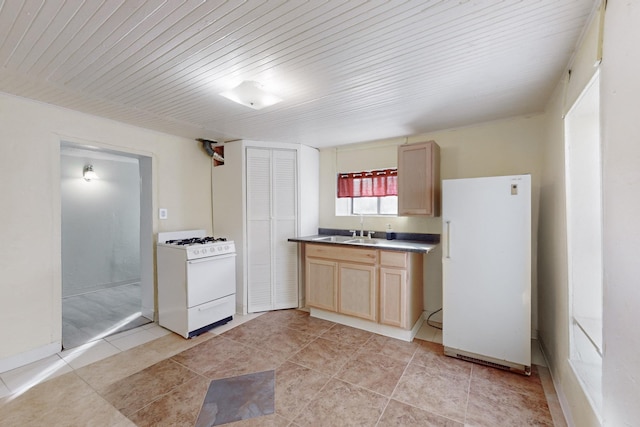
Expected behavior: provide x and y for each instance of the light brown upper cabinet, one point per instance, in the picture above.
(419, 179)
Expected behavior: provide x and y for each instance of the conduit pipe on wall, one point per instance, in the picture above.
(207, 144)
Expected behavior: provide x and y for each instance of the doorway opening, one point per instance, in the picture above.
(107, 243)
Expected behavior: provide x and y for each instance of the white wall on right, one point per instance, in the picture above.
(620, 131)
(553, 288)
(620, 104)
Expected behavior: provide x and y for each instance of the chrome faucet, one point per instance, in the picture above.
(361, 225)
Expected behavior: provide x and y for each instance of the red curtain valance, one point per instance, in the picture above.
(377, 183)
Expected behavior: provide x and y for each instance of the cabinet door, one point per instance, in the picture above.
(358, 291)
(419, 179)
(393, 297)
(321, 278)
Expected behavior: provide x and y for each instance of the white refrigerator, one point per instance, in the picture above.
(486, 259)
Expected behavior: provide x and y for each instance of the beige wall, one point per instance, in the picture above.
(30, 272)
(503, 147)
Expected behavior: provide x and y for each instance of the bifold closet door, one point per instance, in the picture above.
(258, 229)
(272, 271)
(285, 290)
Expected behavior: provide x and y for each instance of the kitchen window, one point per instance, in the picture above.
(367, 193)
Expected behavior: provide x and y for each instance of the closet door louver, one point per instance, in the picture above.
(271, 220)
(284, 226)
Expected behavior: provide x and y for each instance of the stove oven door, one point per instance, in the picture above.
(210, 278)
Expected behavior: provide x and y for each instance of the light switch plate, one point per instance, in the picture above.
(163, 213)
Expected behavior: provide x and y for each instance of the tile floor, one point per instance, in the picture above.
(325, 374)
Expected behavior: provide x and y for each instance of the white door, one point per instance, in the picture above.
(487, 267)
(285, 289)
(272, 271)
(259, 229)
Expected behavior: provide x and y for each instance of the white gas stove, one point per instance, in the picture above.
(196, 281)
(198, 247)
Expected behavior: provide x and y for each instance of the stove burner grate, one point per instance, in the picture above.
(196, 241)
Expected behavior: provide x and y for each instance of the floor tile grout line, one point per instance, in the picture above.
(312, 399)
(334, 376)
(466, 406)
(386, 405)
(313, 338)
(404, 371)
(330, 377)
(75, 374)
(41, 381)
(417, 407)
(95, 390)
(164, 394)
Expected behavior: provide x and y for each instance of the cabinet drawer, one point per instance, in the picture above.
(394, 259)
(342, 253)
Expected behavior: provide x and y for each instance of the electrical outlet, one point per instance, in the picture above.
(163, 213)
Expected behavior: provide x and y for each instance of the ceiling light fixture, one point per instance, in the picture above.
(251, 94)
(88, 174)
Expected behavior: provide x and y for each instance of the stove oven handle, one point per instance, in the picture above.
(210, 258)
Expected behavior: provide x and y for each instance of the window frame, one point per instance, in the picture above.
(351, 211)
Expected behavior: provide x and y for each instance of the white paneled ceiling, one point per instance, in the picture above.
(348, 71)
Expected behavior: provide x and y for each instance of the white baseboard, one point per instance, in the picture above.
(22, 359)
(149, 313)
(562, 398)
(376, 328)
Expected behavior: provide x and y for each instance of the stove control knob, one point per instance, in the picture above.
(219, 248)
(212, 250)
(226, 248)
(195, 251)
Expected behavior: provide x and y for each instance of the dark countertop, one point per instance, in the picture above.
(392, 245)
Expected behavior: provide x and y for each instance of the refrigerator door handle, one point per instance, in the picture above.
(448, 231)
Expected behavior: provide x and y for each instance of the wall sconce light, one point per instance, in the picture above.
(88, 174)
(252, 95)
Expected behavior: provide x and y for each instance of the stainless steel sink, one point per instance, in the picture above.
(348, 240)
(334, 239)
(364, 241)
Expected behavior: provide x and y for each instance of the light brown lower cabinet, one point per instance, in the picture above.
(358, 291)
(321, 279)
(393, 297)
(401, 288)
(376, 285)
